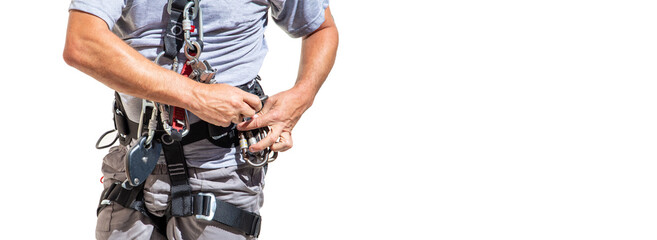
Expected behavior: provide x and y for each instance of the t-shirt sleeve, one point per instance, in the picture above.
(108, 10)
(298, 17)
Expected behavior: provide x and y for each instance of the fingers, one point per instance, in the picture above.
(284, 143)
(253, 101)
(258, 121)
(245, 111)
(248, 106)
(271, 138)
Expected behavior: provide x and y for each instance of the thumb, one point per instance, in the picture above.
(258, 121)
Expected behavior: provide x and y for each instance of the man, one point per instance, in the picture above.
(116, 42)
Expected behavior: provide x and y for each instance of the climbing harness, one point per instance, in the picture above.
(173, 130)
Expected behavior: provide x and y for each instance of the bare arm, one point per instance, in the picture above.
(93, 49)
(318, 51)
(282, 111)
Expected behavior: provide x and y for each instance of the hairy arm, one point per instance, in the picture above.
(282, 111)
(93, 49)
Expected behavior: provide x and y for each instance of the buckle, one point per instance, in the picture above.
(255, 227)
(212, 207)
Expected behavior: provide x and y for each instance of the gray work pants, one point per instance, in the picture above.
(238, 185)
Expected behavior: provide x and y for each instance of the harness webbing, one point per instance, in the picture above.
(181, 192)
(173, 36)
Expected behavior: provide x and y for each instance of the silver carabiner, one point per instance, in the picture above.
(257, 159)
(174, 65)
(152, 122)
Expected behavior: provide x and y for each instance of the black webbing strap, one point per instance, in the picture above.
(130, 198)
(127, 198)
(197, 131)
(173, 34)
(228, 214)
(181, 192)
(184, 204)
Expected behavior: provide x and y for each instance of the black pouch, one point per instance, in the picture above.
(121, 123)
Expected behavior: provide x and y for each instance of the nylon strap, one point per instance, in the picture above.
(173, 37)
(116, 193)
(229, 214)
(181, 192)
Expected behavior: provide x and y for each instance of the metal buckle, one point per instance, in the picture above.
(169, 6)
(213, 207)
(256, 227)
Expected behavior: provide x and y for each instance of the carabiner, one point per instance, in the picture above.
(174, 124)
(174, 65)
(257, 159)
(146, 106)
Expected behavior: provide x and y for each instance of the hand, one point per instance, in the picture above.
(281, 112)
(222, 104)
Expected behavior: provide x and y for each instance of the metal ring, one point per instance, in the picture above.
(195, 45)
(273, 156)
(255, 164)
(166, 137)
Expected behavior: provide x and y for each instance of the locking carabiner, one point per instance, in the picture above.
(187, 26)
(257, 159)
(147, 107)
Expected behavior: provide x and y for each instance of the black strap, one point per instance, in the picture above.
(228, 214)
(120, 195)
(130, 198)
(181, 200)
(184, 204)
(225, 137)
(173, 34)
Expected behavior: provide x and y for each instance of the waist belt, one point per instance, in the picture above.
(225, 137)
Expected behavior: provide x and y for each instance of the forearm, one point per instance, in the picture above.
(96, 51)
(318, 53)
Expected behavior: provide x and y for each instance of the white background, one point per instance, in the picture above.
(441, 120)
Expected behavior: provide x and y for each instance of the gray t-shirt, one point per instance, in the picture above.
(234, 44)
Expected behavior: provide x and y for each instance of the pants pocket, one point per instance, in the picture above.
(114, 165)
